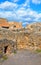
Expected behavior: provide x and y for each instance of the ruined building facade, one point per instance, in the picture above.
(13, 36)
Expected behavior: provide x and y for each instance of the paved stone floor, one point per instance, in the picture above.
(23, 58)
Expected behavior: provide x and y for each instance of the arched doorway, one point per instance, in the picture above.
(5, 49)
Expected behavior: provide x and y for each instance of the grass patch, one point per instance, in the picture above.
(5, 57)
(38, 51)
(15, 52)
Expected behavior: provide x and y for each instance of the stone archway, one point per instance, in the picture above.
(5, 49)
(8, 46)
(8, 49)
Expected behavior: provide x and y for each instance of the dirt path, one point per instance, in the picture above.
(23, 58)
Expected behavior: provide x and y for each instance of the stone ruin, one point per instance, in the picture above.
(7, 46)
(14, 38)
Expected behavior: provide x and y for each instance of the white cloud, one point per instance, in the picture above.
(36, 1)
(27, 19)
(28, 14)
(8, 4)
(38, 17)
(20, 14)
(9, 15)
(26, 3)
(24, 23)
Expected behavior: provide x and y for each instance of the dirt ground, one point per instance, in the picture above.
(23, 57)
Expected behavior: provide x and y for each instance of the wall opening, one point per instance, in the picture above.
(5, 27)
(5, 49)
(15, 26)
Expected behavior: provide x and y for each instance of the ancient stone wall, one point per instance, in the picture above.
(15, 25)
(25, 38)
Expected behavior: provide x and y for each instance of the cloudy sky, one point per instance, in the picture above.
(25, 11)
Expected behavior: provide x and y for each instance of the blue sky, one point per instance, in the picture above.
(25, 11)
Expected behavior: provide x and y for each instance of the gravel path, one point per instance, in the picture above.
(23, 58)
